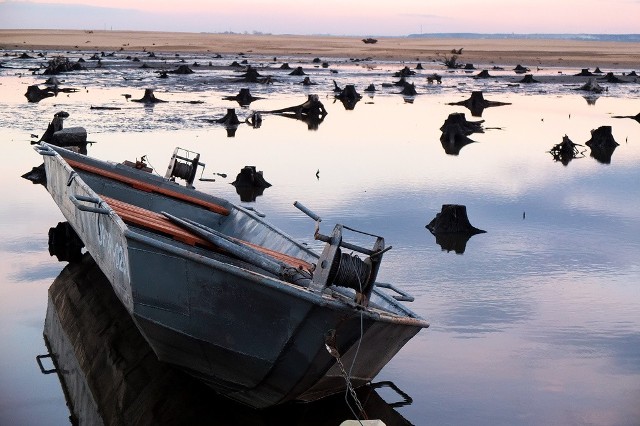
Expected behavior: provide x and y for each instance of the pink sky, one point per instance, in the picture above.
(353, 17)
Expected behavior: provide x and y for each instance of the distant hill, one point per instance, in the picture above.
(585, 37)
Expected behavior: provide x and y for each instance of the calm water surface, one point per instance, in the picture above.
(536, 322)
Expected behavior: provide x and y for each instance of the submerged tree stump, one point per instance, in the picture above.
(592, 86)
(252, 75)
(229, 119)
(244, 97)
(61, 64)
(182, 69)
(307, 82)
(483, 74)
(148, 98)
(455, 132)
(584, 73)
(519, 69)
(610, 78)
(528, 78)
(298, 71)
(35, 94)
(452, 228)
(349, 96)
(476, 103)
(250, 183)
(55, 125)
(409, 89)
(452, 218)
(73, 136)
(312, 108)
(405, 72)
(565, 151)
(602, 144)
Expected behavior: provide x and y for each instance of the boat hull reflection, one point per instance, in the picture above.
(110, 375)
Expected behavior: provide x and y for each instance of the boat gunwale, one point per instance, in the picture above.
(322, 299)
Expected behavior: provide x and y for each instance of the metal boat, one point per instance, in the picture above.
(219, 292)
(110, 376)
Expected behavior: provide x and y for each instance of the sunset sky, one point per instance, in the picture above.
(337, 17)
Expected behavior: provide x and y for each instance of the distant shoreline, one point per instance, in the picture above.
(481, 51)
(620, 38)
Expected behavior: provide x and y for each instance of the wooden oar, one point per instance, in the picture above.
(244, 251)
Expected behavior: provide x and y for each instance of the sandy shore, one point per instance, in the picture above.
(532, 53)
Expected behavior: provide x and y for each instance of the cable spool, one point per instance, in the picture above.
(183, 167)
(183, 170)
(349, 271)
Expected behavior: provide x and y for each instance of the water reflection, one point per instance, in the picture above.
(566, 275)
(110, 375)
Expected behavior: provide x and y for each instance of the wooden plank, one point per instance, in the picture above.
(157, 222)
(154, 221)
(149, 187)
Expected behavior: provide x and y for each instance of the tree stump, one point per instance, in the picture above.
(409, 90)
(73, 136)
(565, 151)
(519, 69)
(55, 125)
(483, 74)
(610, 78)
(592, 86)
(405, 72)
(455, 132)
(602, 144)
(250, 183)
(584, 73)
(528, 78)
(311, 108)
(297, 71)
(35, 94)
(37, 175)
(244, 97)
(476, 103)
(452, 228)
(229, 119)
(148, 98)
(61, 64)
(182, 69)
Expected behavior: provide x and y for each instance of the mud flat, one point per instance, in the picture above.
(482, 52)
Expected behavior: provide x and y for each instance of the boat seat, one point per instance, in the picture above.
(149, 187)
(159, 223)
